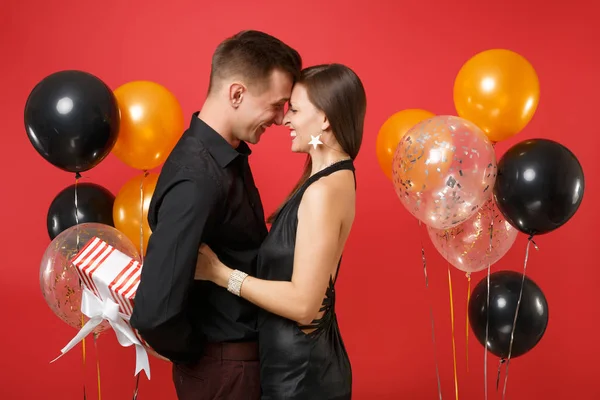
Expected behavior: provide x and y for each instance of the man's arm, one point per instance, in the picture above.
(185, 218)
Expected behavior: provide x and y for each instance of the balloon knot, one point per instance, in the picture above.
(530, 238)
(77, 175)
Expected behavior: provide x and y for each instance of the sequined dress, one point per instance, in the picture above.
(296, 365)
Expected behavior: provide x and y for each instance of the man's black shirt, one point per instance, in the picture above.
(205, 194)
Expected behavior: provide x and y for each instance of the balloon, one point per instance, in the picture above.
(444, 169)
(532, 319)
(540, 186)
(392, 131)
(72, 120)
(151, 124)
(127, 210)
(94, 204)
(467, 246)
(59, 280)
(499, 91)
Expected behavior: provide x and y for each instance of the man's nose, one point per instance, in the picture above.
(279, 117)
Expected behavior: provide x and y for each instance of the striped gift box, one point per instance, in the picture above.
(108, 273)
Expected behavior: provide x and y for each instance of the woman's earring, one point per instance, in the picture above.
(315, 140)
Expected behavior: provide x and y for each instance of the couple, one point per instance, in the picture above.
(215, 282)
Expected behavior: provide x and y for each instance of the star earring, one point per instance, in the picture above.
(315, 141)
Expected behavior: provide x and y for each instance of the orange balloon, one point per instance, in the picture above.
(128, 213)
(499, 91)
(151, 124)
(392, 131)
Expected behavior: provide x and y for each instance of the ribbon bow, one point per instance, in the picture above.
(97, 311)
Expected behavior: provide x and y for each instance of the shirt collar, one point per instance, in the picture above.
(218, 147)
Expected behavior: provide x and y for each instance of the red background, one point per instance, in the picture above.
(407, 56)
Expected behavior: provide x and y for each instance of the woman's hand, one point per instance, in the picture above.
(210, 268)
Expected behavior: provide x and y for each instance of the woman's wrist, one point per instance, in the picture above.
(223, 274)
(236, 280)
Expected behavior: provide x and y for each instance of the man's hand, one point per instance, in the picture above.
(155, 354)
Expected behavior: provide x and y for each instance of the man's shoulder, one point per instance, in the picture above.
(188, 174)
(190, 158)
(190, 152)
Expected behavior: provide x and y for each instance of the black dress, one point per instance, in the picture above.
(293, 364)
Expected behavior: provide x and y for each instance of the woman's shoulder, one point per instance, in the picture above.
(333, 192)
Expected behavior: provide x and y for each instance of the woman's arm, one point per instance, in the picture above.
(315, 258)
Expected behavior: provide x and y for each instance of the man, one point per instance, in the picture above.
(206, 194)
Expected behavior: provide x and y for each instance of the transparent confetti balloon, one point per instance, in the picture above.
(444, 169)
(471, 246)
(59, 280)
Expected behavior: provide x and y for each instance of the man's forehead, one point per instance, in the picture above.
(281, 83)
(280, 95)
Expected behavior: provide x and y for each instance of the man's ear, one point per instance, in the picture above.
(236, 94)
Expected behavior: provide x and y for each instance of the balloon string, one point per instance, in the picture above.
(76, 201)
(487, 316)
(487, 313)
(453, 340)
(435, 358)
(502, 361)
(144, 175)
(137, 385)
(512, 333)
(467, 318)
(77, 178)
(487, 331)
(83, 355)
(97, 365)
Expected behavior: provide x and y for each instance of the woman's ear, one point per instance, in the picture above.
(325, 125)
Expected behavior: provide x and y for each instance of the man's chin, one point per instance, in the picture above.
(254, 140)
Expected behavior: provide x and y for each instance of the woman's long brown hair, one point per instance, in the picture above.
(339, 93)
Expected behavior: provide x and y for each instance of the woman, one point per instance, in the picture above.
(302, 355)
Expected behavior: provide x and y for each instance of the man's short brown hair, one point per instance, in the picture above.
(253, 55)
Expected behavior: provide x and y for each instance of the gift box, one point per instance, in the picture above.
(109, 282)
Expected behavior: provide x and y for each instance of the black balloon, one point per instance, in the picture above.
(539, 186)
(72, 119)
(504, 294)
(94, 204)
